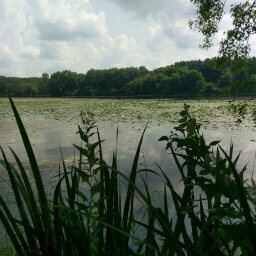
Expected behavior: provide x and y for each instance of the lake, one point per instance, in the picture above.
(52, 123)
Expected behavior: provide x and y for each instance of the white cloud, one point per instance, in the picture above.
(39, 36)
(6, 56)
(182, 35)
(117, 51)
(155, 30)
(30, 52)
(46, 35)
(170, 18)
(169, 30)
(144, 8)
(66, 20)
(170, 43)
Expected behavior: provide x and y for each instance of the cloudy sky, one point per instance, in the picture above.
(39, 36)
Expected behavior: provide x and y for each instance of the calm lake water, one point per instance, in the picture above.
(52, 123)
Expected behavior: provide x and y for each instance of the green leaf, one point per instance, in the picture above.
(85, 177)
(95, 188)
(163, 138)
(214, 143)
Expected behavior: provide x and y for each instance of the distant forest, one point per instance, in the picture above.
(182, 78)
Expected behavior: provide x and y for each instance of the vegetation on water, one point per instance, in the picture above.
(97, 210)
(182, 78)
(37, 113)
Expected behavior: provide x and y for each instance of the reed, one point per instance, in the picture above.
(96, 215)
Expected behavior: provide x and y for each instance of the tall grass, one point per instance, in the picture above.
(92, 213)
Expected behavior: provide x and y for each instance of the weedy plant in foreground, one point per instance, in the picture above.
(95, 215)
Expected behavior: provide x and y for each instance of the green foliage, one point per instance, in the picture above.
(240, 110)
(182, 78)
(19, 86)
(215, 197)
(43, 85)
(210, 88)
(149, 84)
(209, 14)
(95, 207)
(75, 221)
(62, 83)
(207, 67)
(235, 44)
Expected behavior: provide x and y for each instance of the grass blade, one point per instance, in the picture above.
(130, 190)
(22, 212)
(243, 202)
(38, 179)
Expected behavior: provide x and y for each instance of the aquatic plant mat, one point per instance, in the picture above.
(156, 112)
(97, 208)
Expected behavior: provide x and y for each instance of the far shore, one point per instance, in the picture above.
(242, 96)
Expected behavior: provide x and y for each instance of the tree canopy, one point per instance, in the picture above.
(236, 41)
(181, 79)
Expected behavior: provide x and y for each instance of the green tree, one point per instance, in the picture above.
(252, 83)
(192, 80)
(235, 43)
(3, 87)
(43, 85)
(226, 78)
(210, 88)
(149, 84)
(207, 67)
(63, 83)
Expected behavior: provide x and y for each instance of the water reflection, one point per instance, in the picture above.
(48, 133)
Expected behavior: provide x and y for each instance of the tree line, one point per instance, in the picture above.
(181, 78)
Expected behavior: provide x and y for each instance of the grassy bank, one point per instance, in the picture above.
(97, 210)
